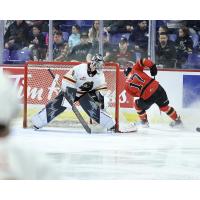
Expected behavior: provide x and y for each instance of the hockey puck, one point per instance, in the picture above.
(198, 129)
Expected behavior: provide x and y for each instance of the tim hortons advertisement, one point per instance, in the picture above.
(41, 87)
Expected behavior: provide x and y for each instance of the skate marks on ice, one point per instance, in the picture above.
(166, 129)
(151, 154)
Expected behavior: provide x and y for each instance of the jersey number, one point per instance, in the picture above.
(139, 87)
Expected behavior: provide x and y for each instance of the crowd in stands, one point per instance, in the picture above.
(176, 45)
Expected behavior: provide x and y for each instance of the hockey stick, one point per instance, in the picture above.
(74, 108)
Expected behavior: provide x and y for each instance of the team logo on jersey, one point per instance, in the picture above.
(83, 78)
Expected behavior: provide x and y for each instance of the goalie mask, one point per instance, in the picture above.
(97, 62)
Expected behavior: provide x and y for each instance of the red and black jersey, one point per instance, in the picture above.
(138, 83)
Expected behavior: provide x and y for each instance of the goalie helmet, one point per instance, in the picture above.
(98, 62)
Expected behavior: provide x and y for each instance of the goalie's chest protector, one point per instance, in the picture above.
(81, 76)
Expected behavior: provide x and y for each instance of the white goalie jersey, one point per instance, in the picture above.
(78, 76)
(85, 81)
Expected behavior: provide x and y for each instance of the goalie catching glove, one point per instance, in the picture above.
(87, 86)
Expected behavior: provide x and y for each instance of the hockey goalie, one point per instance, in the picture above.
(86, 84)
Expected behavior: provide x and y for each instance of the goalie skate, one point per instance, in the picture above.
(128, 129)
(35, 128)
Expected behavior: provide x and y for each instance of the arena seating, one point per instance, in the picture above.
(21, 56)
(16, 56)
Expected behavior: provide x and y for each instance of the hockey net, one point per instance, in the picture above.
(39, 88)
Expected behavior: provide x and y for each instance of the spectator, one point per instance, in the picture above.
(55, 29)
(60, 47)
(37, 44)
(123, 53)
(106, 49)
(119, 26)
(184, 46)
(16, 36)
(32, 23)
(166, 52)
(139, 38)
(94, 32)
(74, 38)
(161, 29)
(80, 51)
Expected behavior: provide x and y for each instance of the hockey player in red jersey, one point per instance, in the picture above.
(149, 91)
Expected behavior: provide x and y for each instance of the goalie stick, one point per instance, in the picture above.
(74, 108)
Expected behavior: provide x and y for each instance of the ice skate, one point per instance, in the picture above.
(177, 123)
(35, 128)
(130, 128)
(144, 124)
(111, 130)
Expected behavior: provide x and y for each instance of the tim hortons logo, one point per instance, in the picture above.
(122, 96)
(35, 93)
(48, 90)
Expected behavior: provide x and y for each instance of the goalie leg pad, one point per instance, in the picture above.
(40, 119)
(54, 108)
(90, 107)
(69, 97)
(51, 110)
(106, 120)
(70, 94)
(93, 110)
(98, 98)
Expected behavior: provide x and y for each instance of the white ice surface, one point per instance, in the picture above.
(155, 153)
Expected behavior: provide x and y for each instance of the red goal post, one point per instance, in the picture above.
(39, 87)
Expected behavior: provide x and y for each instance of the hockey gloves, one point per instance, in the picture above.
(153, 70)
(127, 71)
